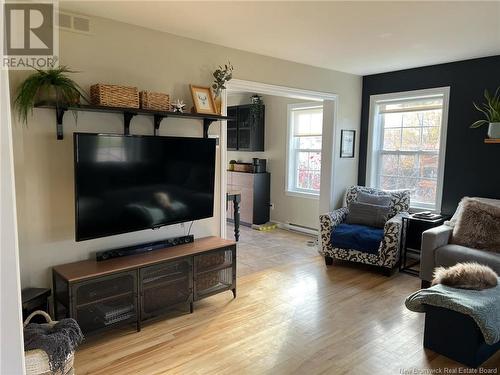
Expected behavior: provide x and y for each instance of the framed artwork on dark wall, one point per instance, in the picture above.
(347, 141)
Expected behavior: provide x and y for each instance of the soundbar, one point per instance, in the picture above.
(142, 248)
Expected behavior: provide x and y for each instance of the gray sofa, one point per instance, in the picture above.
(437, 251)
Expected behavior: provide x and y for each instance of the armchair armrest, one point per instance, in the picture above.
(389, 248)
(432, 239)
(327, 222)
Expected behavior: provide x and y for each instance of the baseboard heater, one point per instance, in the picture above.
(298, 228)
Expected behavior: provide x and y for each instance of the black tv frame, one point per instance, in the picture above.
(78, 238)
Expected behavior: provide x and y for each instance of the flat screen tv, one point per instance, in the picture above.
(130, 183)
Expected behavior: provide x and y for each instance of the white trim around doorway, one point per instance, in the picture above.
(238, 85)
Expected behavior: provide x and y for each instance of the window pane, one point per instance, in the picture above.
(303, 162)
(388, 183)
(425, 191)
(392, 139)
(407, 183)
(412, 119)
(393, 120)
(432, 118)
(408, 166)
(314, 161)
(389, 165)
(313, 143)
(304, 179)
(315, 179)
(411, 139)
(430, 138)
(429, 166)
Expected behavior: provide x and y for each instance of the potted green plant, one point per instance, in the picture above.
(51, 86)
(491, 111)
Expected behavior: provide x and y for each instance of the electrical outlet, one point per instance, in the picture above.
(272, 206)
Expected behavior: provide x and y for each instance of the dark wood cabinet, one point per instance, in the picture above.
(255, 189)
(246, 131)
(102, 295)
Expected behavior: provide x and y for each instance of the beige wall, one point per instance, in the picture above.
(124, 54)
(287, 208)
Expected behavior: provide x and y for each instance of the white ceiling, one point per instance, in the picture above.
(355, 37)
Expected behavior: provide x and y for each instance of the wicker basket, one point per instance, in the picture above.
(114, 96)
(154, 100)
(37, 361)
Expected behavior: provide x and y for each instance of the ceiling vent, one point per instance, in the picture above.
(74, 22)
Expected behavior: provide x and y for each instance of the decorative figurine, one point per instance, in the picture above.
(178, 106)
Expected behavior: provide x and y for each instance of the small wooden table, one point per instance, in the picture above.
(235, 197)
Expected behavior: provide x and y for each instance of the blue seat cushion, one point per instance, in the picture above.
(358, 237)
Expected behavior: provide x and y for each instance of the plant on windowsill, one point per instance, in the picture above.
(52, 86)
(491, 111)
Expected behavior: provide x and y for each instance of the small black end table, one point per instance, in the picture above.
(35, 299)
(411, 241)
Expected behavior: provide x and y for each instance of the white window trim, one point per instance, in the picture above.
(374, 136)
(288, 191)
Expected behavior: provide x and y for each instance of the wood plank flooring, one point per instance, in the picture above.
(293, 315)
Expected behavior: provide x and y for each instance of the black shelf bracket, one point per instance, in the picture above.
(157, 121)
(127, 117)
(206, 124)
(59, 122)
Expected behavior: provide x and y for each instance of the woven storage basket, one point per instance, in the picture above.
(114, 96)
(37, 361)
(154, 100)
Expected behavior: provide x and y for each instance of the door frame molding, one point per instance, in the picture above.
(329, 128)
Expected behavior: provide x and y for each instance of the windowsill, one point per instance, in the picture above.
(301, 194)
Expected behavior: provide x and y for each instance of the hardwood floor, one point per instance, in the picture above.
(293, 315)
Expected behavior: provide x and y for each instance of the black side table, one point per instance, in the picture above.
(411, 242)
(35, 299)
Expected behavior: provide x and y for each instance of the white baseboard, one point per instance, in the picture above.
(298, 228)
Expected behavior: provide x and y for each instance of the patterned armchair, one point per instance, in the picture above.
(388, 252)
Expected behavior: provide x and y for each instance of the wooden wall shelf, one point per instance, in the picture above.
(492, 140)
(129, 113)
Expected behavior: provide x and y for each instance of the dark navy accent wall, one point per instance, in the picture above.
(472, 167)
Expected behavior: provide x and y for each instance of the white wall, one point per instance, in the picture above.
(287, 208)
(11, 338)
(124, 54)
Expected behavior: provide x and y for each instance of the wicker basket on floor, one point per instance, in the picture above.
(154, 100)
(37, 361)
(114, 96)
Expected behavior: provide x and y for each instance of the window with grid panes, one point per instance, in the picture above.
(304, 148)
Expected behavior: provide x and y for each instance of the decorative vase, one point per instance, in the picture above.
(218, 104)
(494, 130)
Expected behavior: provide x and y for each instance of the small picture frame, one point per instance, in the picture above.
(203, 100)
(347, 142)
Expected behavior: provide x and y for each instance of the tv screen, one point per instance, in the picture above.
(130, 183)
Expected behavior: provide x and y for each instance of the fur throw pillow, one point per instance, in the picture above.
(478, 225)
(466, 276)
